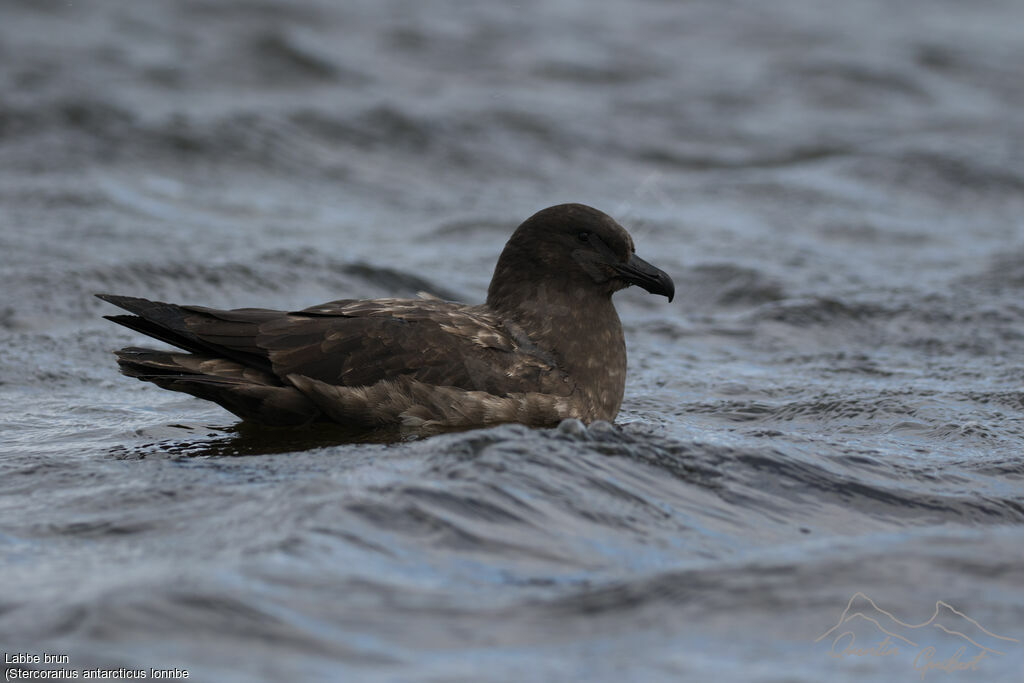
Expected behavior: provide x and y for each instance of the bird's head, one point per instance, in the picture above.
(576, 248)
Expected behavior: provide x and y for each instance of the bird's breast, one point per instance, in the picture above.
(592, 358)
(582, 340)
(602, 379)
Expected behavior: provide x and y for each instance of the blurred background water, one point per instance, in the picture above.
(834, 404)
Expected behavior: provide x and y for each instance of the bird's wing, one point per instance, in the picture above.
(358, 343)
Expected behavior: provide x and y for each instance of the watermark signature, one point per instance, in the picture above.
(919, 644)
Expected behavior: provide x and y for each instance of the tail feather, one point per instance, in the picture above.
(150, 329)
(203, 331)
(139, 362)
(247, 392)
(222, 363)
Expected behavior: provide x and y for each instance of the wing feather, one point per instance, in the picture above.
(359, 343)
(356, 343)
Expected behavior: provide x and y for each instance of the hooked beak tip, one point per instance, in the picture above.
(654, 280)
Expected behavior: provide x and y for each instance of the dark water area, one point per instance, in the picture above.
(830, 414)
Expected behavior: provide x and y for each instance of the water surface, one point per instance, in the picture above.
(833, 404)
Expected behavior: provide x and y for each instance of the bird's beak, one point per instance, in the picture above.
(636, 271)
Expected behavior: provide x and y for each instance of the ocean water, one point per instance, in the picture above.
(818, 470)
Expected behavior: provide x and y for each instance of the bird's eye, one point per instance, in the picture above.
(583, 237)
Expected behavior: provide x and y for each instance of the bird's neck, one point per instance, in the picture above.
(582, 331)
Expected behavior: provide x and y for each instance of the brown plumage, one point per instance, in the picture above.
(547, 345)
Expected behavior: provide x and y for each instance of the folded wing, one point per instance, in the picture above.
(251, 361)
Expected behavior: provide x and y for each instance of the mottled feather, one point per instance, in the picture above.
(546, 345)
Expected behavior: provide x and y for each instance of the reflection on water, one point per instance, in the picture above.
(246, 438)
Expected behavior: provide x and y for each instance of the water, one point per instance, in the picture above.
(833, 404)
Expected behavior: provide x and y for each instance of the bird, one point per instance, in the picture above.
(547, 344)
